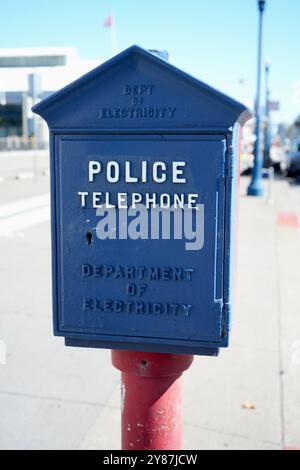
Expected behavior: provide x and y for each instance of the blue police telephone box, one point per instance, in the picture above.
(143, 195)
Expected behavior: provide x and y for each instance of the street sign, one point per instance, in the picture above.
(273, 105)
(143, 188)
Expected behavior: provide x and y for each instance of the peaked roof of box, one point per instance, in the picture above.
(77, 105)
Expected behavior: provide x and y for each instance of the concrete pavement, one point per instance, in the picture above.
(52, 397)
(23, 164)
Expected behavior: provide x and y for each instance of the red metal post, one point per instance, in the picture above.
(151, 399)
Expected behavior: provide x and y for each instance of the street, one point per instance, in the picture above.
(53, 397)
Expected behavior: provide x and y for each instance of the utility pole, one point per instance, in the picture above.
(267, 161)
(255, 188)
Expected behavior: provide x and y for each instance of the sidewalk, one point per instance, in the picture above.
(52, 397)
(23, 164)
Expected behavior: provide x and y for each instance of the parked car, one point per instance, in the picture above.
(293, 168)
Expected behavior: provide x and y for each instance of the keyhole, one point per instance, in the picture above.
(89, 238)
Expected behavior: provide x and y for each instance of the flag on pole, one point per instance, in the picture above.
(108, 22)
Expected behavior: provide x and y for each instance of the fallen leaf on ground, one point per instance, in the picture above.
(247, 405)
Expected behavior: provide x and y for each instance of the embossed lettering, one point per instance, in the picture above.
(151, 273)
(108, 306)
(137, 112)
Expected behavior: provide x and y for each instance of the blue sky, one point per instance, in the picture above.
(215, 40)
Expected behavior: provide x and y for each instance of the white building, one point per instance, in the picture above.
(52, 68)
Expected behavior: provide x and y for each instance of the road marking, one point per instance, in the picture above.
(19, 215)
(288, 219)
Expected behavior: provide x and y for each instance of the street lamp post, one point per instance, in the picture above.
(267, 117)
(255, 188)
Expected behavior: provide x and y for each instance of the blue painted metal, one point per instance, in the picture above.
(255, 188)
(138, 108)
(267, 142)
